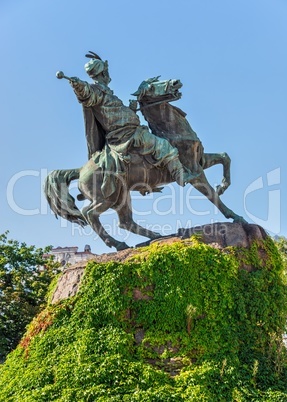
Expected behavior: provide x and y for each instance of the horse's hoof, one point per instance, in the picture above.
(219, 190)
(122, 246)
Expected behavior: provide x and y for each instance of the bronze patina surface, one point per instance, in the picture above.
(126, 156)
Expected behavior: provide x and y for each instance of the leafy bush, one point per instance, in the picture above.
(177, 322)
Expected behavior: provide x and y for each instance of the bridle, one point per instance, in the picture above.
(157, 103)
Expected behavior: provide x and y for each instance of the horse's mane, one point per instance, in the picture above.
(166, 120)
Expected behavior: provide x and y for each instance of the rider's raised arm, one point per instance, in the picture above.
(87, 94)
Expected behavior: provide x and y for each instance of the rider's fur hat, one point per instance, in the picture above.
(96, 65)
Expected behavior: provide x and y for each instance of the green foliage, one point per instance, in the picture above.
(210, 331)
(281, 243)
(23, 286)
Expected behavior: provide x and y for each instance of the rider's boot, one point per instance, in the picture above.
(180, 174)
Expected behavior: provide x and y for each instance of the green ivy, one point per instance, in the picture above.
(177, 322)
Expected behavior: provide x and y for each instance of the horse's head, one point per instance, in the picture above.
(153, 90)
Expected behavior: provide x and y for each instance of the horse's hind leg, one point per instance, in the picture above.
(126, 221)
(202, 185)
(90, 183)
(92, 213)
(215, 159)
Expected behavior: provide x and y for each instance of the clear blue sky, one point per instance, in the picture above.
(231, 58)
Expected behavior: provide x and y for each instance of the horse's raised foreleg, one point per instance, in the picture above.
(126, 221)
(215, 159)
(202, 185)
(92, 213)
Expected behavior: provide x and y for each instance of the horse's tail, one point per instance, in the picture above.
(56, 188)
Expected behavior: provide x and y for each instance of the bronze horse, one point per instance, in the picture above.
(141, 175)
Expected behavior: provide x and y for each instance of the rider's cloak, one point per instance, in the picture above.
(95, 134)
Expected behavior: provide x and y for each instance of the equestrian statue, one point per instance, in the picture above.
(126, 156)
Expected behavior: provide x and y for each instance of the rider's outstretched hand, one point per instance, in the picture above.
(76, 82)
